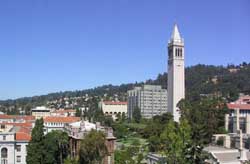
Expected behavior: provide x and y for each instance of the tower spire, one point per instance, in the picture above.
(176, 34)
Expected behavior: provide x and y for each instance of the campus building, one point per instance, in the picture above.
(40, 112)
(114, 108)
(14, 138)
(58, 122)
(239, 115)
(150, 99)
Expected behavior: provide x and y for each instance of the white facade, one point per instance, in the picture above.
(12, 151)
(176, 73)
(113, 108)
(58, 123)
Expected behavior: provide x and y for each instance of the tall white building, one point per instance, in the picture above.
(151, 100)
(176, 74)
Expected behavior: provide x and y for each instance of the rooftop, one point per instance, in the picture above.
(61, 119)
(21, 136)
(115, 102)
(64, 111)
(225, 155)
(238, 106)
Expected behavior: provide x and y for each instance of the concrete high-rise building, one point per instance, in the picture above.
(176, 74)
(151, 99)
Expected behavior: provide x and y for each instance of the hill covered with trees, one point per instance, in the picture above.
(201, 80)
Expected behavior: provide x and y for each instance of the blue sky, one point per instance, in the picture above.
(57, 45)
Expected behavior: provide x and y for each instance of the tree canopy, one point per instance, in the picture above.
(93, 148)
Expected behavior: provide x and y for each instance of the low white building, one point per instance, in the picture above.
(58, 123)
(64, 112)
(6, 118)
(113, 108)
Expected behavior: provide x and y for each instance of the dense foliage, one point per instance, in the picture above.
(36, 145)
(51, 148)
(206, 117)
(93, 148)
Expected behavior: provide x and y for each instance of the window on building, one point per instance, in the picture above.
(2, 126)
(4, 153)
(18, 158)
(18, 148)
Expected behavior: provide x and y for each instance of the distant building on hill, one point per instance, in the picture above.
(113, 108)
(64, 112)
(40, 112)
(151, 99)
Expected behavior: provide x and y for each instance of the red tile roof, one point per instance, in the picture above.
(62, 119)
(25, 124)
(25, 130)
(5, 116)
(26, 117)
(115, 102)
(239, 106)
(21, 136)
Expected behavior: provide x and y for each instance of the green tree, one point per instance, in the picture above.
(175, 139)
(123, 117)
(154, 144)
(93, 148)
(70, 161)
(35, 147)
(120, 130)
(56, 147)
(78, 113)
(206, 117)
(137, 114)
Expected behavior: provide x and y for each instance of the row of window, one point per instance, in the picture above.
(114, 113)
(54, 124)
(178, 52)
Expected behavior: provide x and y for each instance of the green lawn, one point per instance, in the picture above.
(130, 141)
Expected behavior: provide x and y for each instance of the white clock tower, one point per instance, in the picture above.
(176, 73)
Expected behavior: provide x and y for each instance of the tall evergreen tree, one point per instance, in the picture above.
(35, 146)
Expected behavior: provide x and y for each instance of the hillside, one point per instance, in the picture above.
(206, 80)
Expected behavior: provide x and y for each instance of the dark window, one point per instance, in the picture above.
(18, 158)
(4, 153)
(18, 148)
